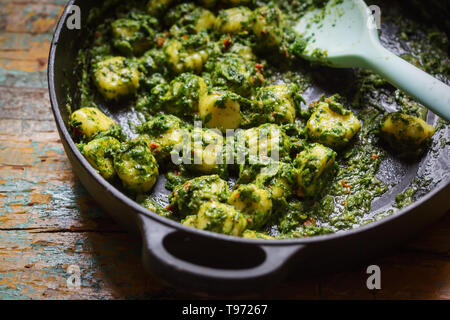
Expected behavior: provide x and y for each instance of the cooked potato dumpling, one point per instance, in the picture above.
(332, 125)
(207, 152)
(136, 167)
(91, 121)
(277, 177)
(220, 109)
(116, 77)
(133, 36)
(189, 18)
(190, 221)
(218, 217)
(184, 94)
(162, 134)
(100, 152)
(310, 166)
(205, 20)
(254, 202)
(157, 7)
(405, 132)
(251, 234)
(233, 72)
(182, 59)
(276, 104)
(188, 197)
(268, 25)
(233, 20)
(243, 51)
(262, 142)
(180, 97)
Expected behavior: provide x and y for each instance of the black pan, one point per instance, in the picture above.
(204, 261)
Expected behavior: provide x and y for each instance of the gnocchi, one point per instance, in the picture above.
(89, 122)
(406, 132)
(332, 125)
(116, 77)
(220, 110)
(310, 166)
(136, 167)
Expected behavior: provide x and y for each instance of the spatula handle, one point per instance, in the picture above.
(429, 91)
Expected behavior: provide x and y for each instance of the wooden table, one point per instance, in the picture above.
(48, 221)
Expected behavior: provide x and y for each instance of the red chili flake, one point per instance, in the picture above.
(185, 36)
(286, 53)
(237, 195)
(160, 41)
(274, 114)
(166, 33)
(263, 32)
(154, 146)
(345, 185)
(344, 203)
(259, 66)
(177, 173)
(187, 185)
(269, 186)
(170, 207)
(227, 42)
(374, 156)
(310, 221)
(261, 77)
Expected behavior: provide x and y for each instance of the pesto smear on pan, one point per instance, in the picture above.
(235, 64)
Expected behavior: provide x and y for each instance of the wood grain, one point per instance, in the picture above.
(49, 222)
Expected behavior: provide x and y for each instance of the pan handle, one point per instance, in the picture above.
(271, 267)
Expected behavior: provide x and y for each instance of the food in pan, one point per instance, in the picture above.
(217, 90)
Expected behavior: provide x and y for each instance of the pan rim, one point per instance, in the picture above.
(138, 209)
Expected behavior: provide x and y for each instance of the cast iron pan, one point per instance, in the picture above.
(209, 262)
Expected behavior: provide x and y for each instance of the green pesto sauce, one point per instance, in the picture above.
(237, 65)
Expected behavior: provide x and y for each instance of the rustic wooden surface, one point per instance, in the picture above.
(48, 221)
